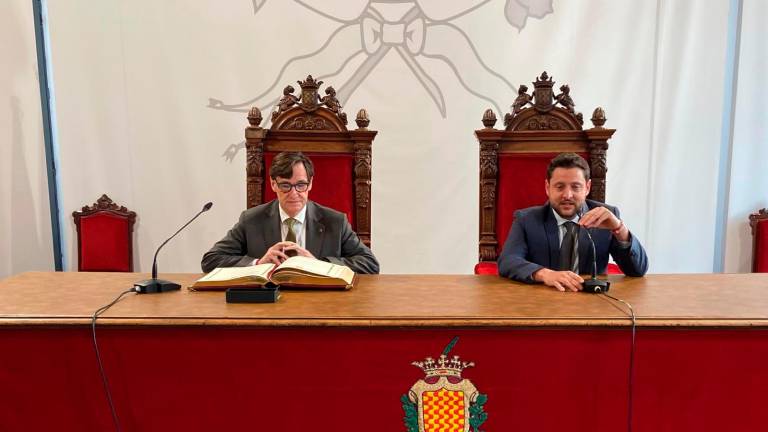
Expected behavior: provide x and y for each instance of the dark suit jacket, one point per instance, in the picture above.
(534, 242)
(329, 237)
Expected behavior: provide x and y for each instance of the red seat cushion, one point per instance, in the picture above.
(332, 185)
(104, 243)
(486, 268)
(614, 269)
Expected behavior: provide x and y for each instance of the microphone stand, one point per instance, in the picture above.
(594, 285)
(156, 285)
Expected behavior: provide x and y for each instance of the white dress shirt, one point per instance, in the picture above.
(561, 224)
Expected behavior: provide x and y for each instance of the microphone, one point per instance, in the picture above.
(594, 285)
(156, 285)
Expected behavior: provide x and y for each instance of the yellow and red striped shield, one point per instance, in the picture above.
(444, 411)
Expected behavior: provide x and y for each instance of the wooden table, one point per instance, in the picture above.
(341, 360)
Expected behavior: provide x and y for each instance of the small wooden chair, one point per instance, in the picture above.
(104, 237)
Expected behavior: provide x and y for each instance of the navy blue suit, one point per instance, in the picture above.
(534, 242)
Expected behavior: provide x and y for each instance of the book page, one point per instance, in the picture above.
(234, 277)
(317, 268)
(222, 274)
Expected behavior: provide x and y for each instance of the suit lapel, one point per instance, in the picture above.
(315, 229)
(553, 238)
(271, 227)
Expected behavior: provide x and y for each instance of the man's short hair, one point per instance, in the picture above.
(282, 165)
(568, 160)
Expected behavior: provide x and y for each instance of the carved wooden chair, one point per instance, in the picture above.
(104, 237)
(759, 224)
(316, 126)
(514, 160)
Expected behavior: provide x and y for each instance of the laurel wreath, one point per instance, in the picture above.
(476, 414)
(411, 418)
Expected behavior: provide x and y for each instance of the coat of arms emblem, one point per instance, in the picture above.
(542, 93)
(444, 401)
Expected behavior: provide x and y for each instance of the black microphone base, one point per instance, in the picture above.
(150, 286)
(595, 286)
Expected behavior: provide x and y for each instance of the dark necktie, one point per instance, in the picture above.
(569, 248)
(290, 236)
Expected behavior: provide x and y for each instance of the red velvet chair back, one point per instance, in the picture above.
(514, 160)
(317, 127)
(104, 237)
(332, 185)
(759, 223)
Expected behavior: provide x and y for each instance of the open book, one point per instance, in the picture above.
(297, 272)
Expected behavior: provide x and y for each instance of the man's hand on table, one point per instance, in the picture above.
(560, 280)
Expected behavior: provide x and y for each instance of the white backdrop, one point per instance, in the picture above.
(748, 189)
(25, 224)
(134, 83)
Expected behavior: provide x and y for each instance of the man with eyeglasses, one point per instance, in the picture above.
(291, 225)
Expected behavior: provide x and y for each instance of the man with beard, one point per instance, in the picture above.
(548, 243)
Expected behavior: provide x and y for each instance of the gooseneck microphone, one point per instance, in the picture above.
(594, 285)
(156, 285)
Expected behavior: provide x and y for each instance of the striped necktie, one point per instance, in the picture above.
(290, 236)
(569, 248)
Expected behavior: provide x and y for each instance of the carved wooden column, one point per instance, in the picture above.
(597, 165)
(254, 165)
(362, 192)
(489, 169)
(598, 137)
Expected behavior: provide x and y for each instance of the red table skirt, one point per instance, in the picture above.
(352, 379)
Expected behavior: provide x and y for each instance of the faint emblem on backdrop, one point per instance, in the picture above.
(417, 30)
(444, 401)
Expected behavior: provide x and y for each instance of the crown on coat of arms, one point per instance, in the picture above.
(443, 366)
(544, 81)
(310, 83)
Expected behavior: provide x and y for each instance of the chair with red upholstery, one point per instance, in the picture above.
(759, 224)
(514, 160)
(104, 237)
(317, 127)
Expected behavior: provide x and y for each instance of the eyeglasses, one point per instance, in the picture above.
(286, 187)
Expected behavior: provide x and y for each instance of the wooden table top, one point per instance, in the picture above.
(690, 300)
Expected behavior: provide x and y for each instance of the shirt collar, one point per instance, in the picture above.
(299, 217)
(561, 220)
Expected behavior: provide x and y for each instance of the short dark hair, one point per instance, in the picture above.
(282, 165)
(568, 160)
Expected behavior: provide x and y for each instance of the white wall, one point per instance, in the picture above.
(25, 224)
(685, 141)
(749, 176)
